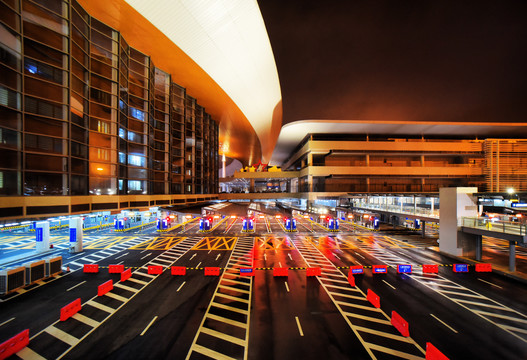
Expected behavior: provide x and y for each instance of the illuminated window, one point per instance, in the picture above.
(136, 160)
(134, 185)
(138, 114)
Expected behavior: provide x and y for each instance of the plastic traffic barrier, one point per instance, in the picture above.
(115, 269)
(351, 279)
(178, 270)
(155, 269)
(246, 271)
(404, 269)
(460, 268)
(430, 269)
(14, 345)
(313, 271)
(379, 269)
(281, 271)
(400, 324)
(373, 298)
(69, 310)
(127, 274)
(104, 288)
(357, 269)
(212, 271)
(91, 268)
(432, 353)
(484, 267)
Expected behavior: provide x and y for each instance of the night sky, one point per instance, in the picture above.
(426, 60)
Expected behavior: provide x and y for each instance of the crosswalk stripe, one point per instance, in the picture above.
(61, 335)
(86, 320)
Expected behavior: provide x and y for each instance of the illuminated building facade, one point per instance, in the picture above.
(89, 122)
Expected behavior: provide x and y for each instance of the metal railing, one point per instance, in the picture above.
(401, 210)
(484, 223)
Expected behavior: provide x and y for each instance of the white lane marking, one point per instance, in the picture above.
(5, 322)
(387, 283)
(148, 326)
(197, 266)
(180, 286)
(290, 257)
(279, 264)
(192, 257)
(358, 263)
(120, 256)
(286, 286)
(209, 251)
(73, 287)
(120, 263)
(299, 326)
(143, 251)
(217, 257)
(444, 323)
(360, 255)
(335, 255)
(147, 255)
(265, 256)
(499, 287)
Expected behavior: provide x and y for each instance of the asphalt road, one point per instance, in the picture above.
(465, 315)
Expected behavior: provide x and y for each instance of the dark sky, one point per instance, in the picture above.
(424, 60)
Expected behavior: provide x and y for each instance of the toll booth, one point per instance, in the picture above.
(119, 224)
(42, 236)
(376, 223)
(333, 224)
(248, 225)
(75, 235)
(290, 224)
(161, 224)
(205, 223)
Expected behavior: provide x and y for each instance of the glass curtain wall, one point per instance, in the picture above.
(83, 113)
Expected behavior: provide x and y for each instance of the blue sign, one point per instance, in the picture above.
(380, 270)
(40, 234)
(519, 204)
(358, 270)
(246, 270)
(460, 267)
(73, 235)
(404, 269)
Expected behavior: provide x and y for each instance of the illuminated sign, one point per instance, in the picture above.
(404, 269)
(379, 269)
(73, 235)
(460, 268)
(357, 269)
(40, 234)
(519, 204)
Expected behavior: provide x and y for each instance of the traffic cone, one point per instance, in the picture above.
(67, 269)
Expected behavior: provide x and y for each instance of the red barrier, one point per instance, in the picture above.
(212, 271)
(373, 298)
(433, 354)
(351, 279)
(484, 267)
(178, 270)
(91, 268)
(430, 269)
(400, 324)
(246, 271)
(69, 310)
(104, 288)
(315, 271)
(115, 269)
(280, 271)
(14, 345)
(155, 269)
(125, 275)
(379, 269)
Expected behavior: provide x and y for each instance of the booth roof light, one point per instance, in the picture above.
(306, 216)
(188, 216)
(233, 216)
(367, 216)
(216, 216)
(322, 216)
(350, 216)
(172, 216)
(278, 216)
(262, 216)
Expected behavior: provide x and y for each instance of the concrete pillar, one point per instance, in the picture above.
(456, 203)
(423, 229)
(42, 236)
(479, 247)
(76, 235)
(512, 256)
(251, 186)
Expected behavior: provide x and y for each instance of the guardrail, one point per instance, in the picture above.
(404, 210)
(483, 223)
